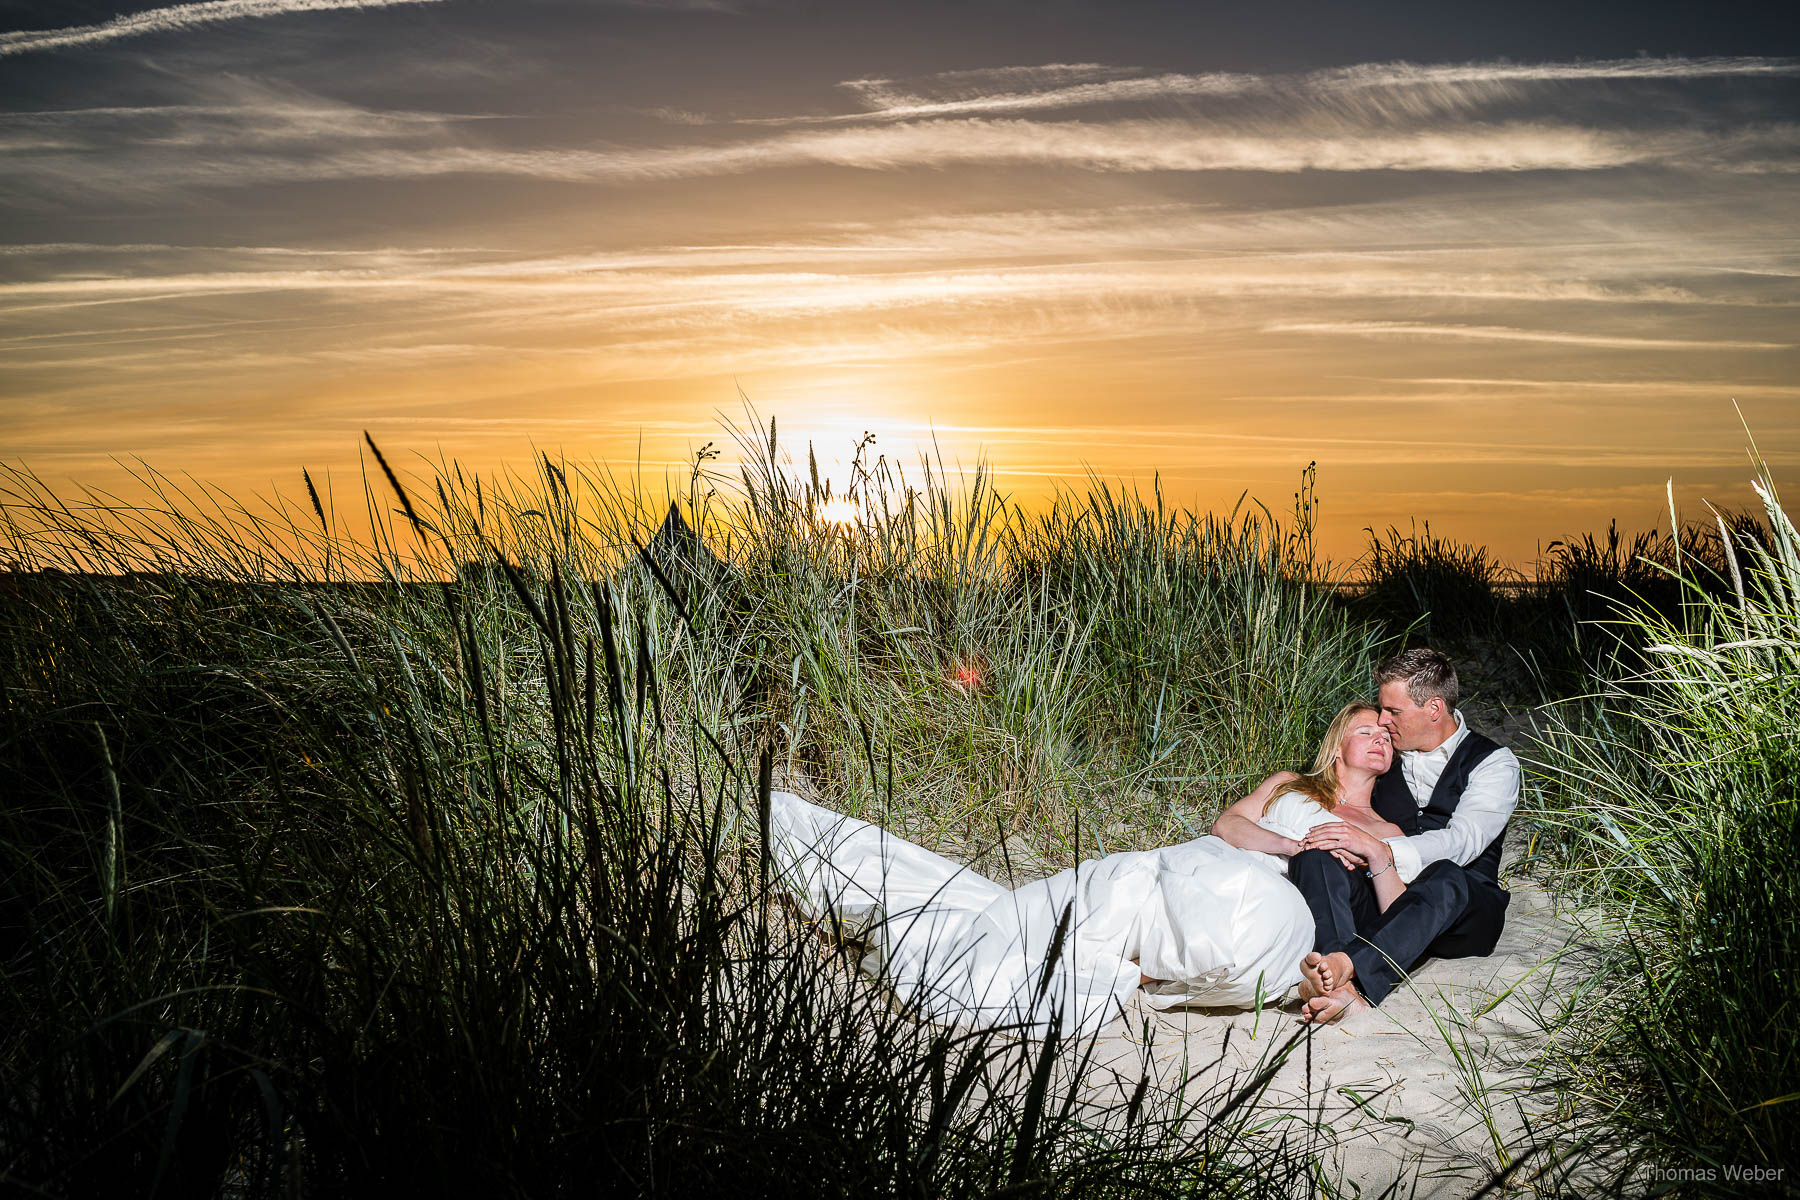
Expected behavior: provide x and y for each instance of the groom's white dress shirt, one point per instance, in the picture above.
(1487, 802)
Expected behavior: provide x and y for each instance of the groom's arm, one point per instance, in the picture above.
(1487, 803)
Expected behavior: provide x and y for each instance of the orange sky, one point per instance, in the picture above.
(1510, 293)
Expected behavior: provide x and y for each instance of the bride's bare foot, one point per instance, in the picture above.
(1332, 1006)
(1322, 974)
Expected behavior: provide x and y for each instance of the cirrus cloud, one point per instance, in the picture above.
(175, 19)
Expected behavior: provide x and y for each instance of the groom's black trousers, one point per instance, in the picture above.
(1449, 911)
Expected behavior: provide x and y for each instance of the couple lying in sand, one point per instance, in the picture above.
(1335, 882)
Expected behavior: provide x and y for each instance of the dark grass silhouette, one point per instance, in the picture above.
(343, 888)
(335, 865)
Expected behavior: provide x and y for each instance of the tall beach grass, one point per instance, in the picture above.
(429, 859)
(1672, 797)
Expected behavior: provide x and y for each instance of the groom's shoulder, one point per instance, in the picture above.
(1484, 747)
(1487, 742)
(1490, 757)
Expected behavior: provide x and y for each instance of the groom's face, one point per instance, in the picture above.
(1414, 726)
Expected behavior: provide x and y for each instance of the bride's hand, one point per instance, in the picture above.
(1342, 838)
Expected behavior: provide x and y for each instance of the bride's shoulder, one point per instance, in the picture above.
(1292, 812)
(1294, 803)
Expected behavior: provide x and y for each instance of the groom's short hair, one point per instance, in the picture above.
(1425, 672)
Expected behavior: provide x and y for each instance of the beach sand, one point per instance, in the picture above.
(1434, 1082)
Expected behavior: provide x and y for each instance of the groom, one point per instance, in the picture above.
(1450, 793)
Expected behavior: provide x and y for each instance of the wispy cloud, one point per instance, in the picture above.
(883, 99)
(1431, 86)
(1490, 333)
(1623, 387)
(234, 112)
(1369, 118)
(1403, 73)
(1025, 278)
(1129, 147)
(677, 116)
(1039, 243)
(174, 19)
(678, 280)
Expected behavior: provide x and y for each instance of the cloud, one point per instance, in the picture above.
(1404, 73)
(174, 19)
(646, 299)
(751, 282)
(1119, 146)
(1025, 275)
(1490, 333)
(1111, 147)
(885, 101)
(1629, 388)
(232, 111)
(1394, 117)
(383, 254)
(1418, 88)
(677, 116)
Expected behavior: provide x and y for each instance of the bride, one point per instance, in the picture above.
(1206, 922)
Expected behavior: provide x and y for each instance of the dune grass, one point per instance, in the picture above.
(417, 845)
(1442, 590)
(429, 860)
(1546, 633)
(1672, 797)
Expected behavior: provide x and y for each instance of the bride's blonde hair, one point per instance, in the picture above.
(1321, 783)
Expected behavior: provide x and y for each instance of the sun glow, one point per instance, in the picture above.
(840, 512)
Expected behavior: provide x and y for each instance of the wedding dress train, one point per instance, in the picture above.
(1208, 923)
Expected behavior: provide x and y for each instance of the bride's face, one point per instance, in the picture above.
(1367, 746)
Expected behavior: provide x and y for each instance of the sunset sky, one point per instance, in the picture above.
(1504, 267)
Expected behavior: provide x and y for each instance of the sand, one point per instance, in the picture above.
(1433, 1083)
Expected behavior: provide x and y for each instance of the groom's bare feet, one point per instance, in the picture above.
(1323, 974)
(1332, 1006)
(1309, 973)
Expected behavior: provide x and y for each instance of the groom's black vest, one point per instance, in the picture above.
(1394, 802)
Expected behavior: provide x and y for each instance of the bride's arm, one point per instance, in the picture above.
(1238, 826)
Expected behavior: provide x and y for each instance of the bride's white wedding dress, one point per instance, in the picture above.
(1208, 923)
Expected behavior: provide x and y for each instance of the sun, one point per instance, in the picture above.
(840, 512)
